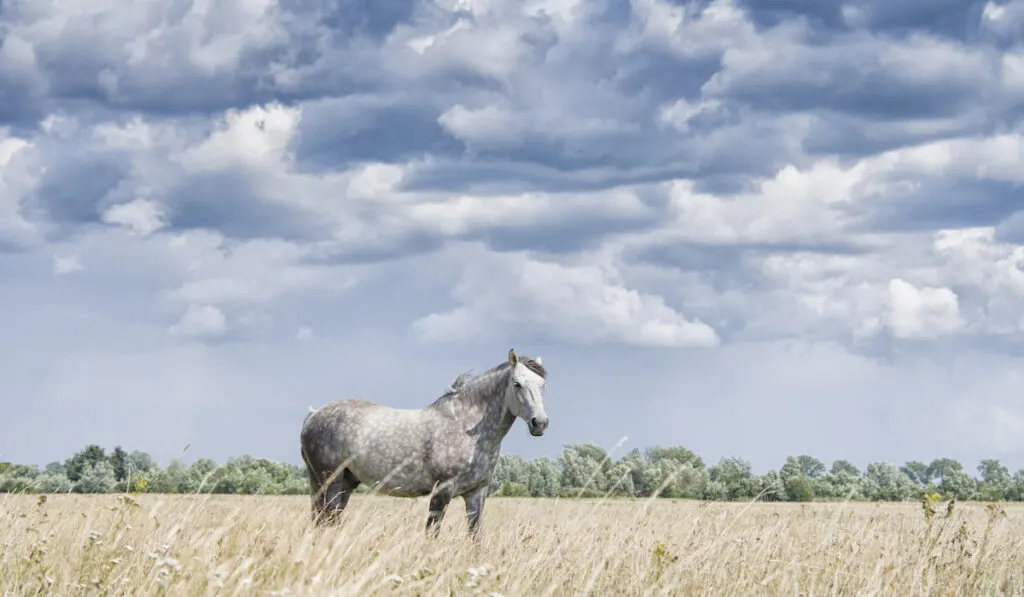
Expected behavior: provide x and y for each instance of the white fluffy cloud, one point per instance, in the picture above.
(200, 320)
(140, 216)
(514, 294)
(921, 312)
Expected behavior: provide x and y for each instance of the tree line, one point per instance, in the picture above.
(581, 470)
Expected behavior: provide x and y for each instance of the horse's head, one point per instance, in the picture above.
(524, 396)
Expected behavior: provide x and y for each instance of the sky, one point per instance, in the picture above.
(754, 228)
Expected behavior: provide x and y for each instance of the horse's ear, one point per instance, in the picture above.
(538, 359)
(512, 358)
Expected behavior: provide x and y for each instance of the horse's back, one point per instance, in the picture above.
(371, 438)
(327, 431)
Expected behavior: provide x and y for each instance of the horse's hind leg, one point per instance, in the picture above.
(333, 497)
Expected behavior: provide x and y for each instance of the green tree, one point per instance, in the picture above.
(736, 476)
(770, 487)
(97, 477)
(509, 469)
(543, 478)
(958, 484)
(510, 489)
(141, 462)
(76, 466)
(638, 465)
(584, 466)
(53, 482)
(844, 466)
(677, 453)
(996, 483)
(1017, 487)
(884, 481)
(670, 479)
(18, 470)
(119, 462)
(170, 479)
(810, 467)
(940, 467)
(842, 484)
(799, 488)
(918, 472)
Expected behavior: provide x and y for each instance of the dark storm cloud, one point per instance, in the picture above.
(393, 248)
(731, 267)
(564, 235)
(851, 136)
(954, 19)
(233, 203)
(335, 133)
(559, 232)
(853, 75)
(940, 203)
(352, 18)
(20, 109)
(89, 61)
(695, 256)
(101, 60)
(74, 188)
(1011, 230)
(819, 13)
(725, 149)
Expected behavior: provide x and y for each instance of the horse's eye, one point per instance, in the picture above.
(517, 384)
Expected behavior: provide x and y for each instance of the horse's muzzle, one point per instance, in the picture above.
(537, 426)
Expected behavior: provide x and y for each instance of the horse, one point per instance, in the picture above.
(447, 449)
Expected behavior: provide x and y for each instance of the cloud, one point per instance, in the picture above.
(200, 320)
(15, 177)
(917, 77)
(922, 312)
(66, 265)
(547, 301)
(140, 216)
(700, 188)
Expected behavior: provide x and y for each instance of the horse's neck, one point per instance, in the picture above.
(484, 408)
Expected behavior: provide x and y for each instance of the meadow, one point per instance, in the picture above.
(264, 545)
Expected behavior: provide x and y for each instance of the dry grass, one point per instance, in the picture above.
(167, 545)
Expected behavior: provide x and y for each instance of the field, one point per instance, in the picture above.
(221, 545)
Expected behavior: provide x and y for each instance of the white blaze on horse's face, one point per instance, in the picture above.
(525, 395)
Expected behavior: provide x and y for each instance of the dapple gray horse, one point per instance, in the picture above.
(447, 449)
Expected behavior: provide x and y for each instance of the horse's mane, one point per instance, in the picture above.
(465, 379)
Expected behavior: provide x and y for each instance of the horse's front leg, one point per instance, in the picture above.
(438, 502)
(475, 509)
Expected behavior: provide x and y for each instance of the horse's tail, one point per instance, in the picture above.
(302, 442)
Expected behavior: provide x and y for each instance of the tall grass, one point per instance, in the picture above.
(257, 545)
